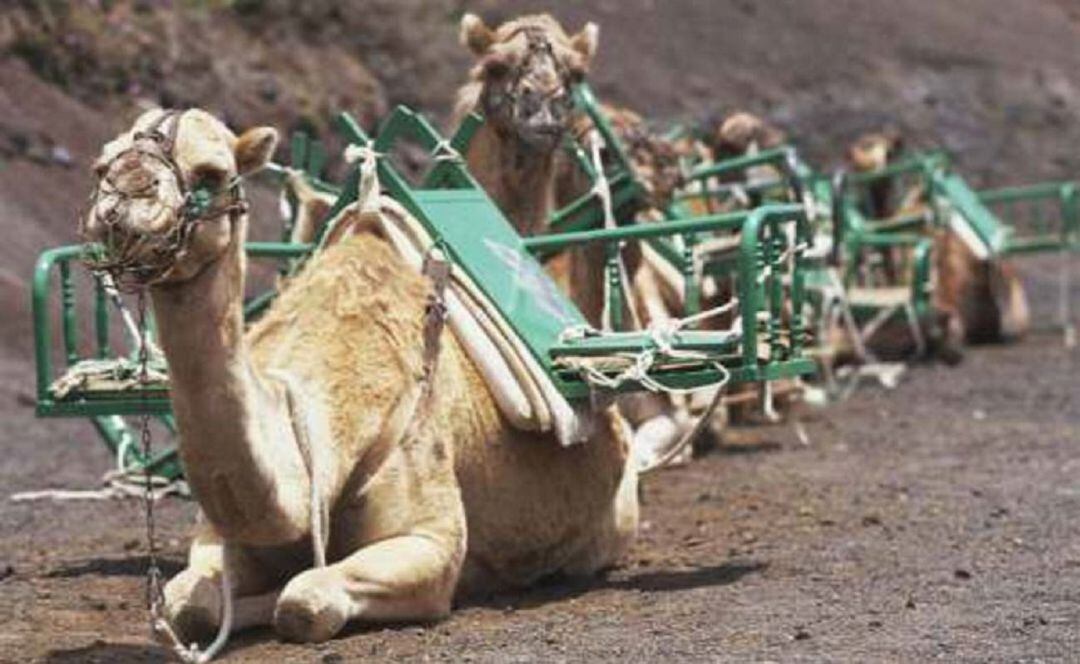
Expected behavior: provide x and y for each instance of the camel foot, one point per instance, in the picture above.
(311, 609)
(193, 606)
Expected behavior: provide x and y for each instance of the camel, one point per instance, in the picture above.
(315, 433)
(743, 133)
(974, 300)
(521, 85)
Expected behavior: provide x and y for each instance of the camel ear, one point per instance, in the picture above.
(586, 42)
(254, 149)
(475, 35)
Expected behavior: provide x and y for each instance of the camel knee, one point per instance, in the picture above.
(193, 605)
(313, 607)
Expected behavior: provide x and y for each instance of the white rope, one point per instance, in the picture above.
(602, 190)
(676, 450)
(783, 257)
(444, 151)
(191, 654)
(662, 335)
(117, 486)
(109, 286)
(367, 195)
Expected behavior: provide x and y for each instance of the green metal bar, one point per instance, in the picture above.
(898, 223)
(67, 313)
(299, 146)
(316, 161)
(691, 287)
(462, 138)
(772, 155)
(585, 99)
(774, 247)
(717, 192)
(920, 282)
(798, 296)
(1023, 193)
(40, 307)
(1070, 211)
(611, 273)
(101, 318)
(889, 239)
(726, 221)
(277, 249)
(924, 162)
(750, 264)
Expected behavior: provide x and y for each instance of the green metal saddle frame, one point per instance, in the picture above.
(457, 212)
(795, 178)
(465, 222)
(628, 196)
(1005, 222)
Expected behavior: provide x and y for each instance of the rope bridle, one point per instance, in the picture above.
(505, 99)
(146, 258)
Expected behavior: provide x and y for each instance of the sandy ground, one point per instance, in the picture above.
(934, 521)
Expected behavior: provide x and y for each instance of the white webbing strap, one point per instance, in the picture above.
(602, 190)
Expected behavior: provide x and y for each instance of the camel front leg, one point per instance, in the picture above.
(406, 578)
(193, 601)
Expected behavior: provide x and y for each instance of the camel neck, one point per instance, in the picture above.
(236, 442)
(520, 178)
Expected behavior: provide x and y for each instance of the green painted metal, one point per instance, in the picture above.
(474, 233)
(1061, 228)
(962, 199)
(55, 269)
(855, 235)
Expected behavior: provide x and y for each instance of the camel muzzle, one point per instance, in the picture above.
(141, 229)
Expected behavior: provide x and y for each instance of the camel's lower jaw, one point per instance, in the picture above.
(542, 139)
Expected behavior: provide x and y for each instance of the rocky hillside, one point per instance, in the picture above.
(994, 82)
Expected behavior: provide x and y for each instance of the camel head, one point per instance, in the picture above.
(872, 151)
(743, 132)
(168, 198)
(526, 68)
(655, 158)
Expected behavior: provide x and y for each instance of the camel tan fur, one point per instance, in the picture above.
(741, 133)
(421, 506)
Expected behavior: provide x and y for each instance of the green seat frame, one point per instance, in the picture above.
(471, 230)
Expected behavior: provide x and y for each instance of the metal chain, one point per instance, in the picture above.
(153, 572)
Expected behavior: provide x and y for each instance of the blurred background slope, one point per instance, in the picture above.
(995, 82)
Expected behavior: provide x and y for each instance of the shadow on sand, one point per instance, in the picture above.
(561, 588)
(113, 653)
(129, 566)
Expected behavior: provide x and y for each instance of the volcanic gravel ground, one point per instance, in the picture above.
(934, 521)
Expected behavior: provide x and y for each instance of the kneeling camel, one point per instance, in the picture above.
(322, 393)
